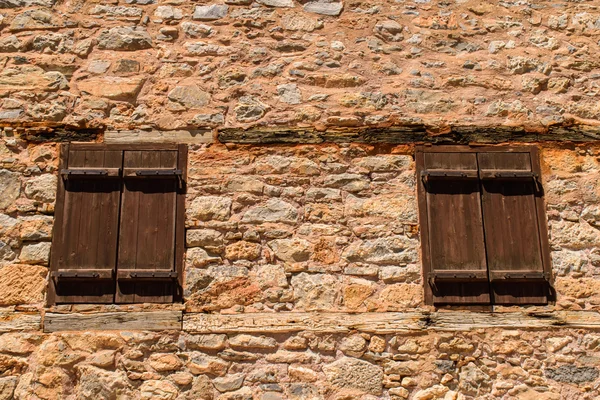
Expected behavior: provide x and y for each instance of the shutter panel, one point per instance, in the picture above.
(146, 264)
(514, 246)
(87, 220)
(456, 250)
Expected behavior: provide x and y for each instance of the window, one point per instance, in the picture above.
(119, 224)
(483, 226)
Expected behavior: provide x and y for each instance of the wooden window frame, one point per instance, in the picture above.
(423, 213)
(179, 246)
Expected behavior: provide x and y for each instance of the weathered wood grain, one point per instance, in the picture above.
(385, 323)
(416, 133)
(154, 136)
(143, 321)
(12, 321)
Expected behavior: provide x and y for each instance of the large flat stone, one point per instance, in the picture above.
(112, 87)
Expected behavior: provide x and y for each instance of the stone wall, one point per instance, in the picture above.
(303, 276)
(275, 230)
(174, 65)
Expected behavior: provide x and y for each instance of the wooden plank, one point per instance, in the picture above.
(58, 229)
(121, 321)
(455, 230)
(511, 228)
(154, 136)
(12, 321)
(182, 159)
(84, 146)
(89, 225)
(321, 322)
(386, 322)
(147, 232)
(461, 321)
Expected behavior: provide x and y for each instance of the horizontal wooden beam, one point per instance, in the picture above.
(121, 321)
(417, 133)
(154, 136)
(13, 321)
(386, 322)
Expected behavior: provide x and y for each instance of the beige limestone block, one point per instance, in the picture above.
(22, 284)
(400, 296)
(112, 87)
(351, 373)
(158, 390)
(584, 288)
(31, 78)
(162, 362)
(243, 250)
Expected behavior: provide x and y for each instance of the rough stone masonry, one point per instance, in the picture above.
(302, 268)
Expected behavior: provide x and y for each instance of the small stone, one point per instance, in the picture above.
(298, 22)
(190, 96)
(354, 346)
(196, 30)
(249, 342)
(164, 362)
(42, 188)
(302, 374)
(291, 250)
(250, 109)
(229, 383)
(289, 93)
(314, 292)
(572, 374)
(392, 250)
(155, 390)
(377, 344)
(168, 13)
(10, 187)
(351, 373)
(36, 19)
(319, 7)
(243, 250)
(204, 342)
(291, 357)
(99, 66)
(124, 39)
(274, 210)
(203, 364)
(207, 208)
(22, 284)
(211, 12)
(400, 392)
(38, 253)
(389, 30)
(112, 87)
(210, 239)
(276, 3)
(202, 389)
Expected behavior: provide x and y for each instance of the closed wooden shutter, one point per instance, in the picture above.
(514, 232)
(85, 235)
(455, 249)
(147, 243)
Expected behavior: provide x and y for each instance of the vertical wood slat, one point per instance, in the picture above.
(456, 240)
(511, 229)
(58, 231)
(87, 228)
(182, 158)
(147, 234)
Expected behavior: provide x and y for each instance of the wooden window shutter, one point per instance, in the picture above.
(150, 254)
(453, 239)
(515, 227)
(84, 251)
